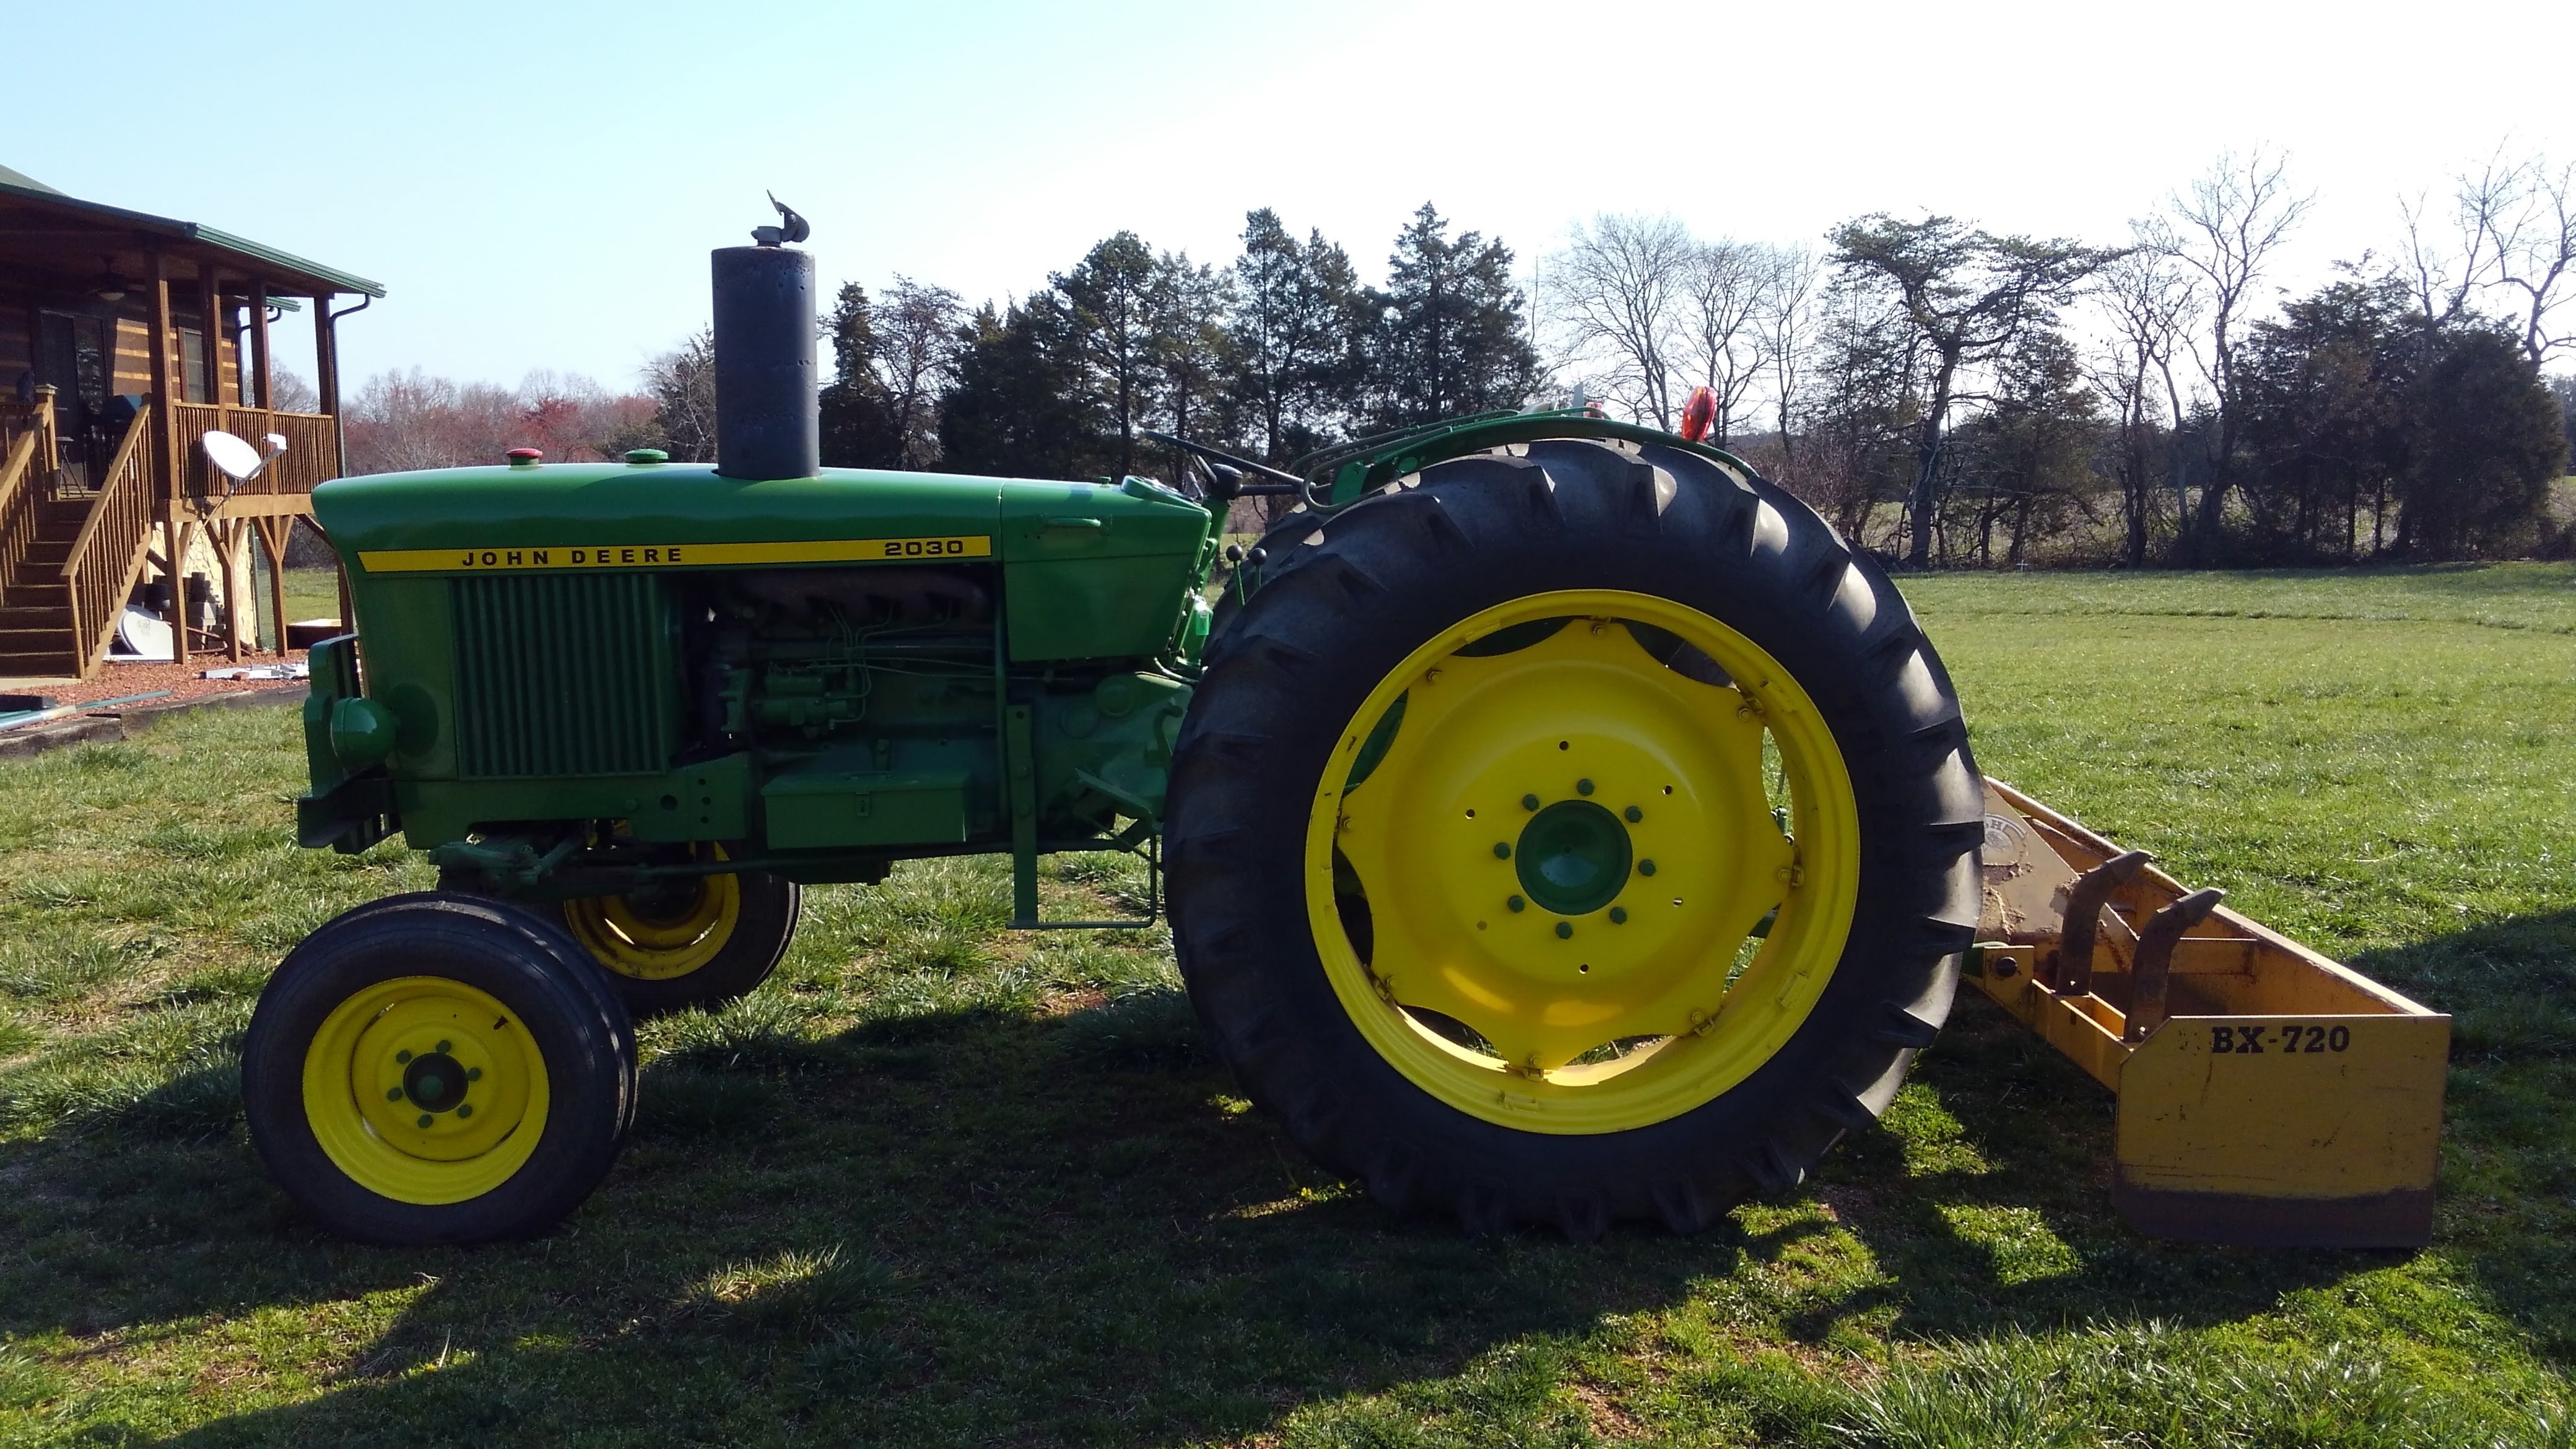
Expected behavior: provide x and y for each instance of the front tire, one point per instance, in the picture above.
(1626, 993)
(433, 1068)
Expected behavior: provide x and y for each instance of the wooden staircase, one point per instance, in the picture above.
(38, 635)
(68, 558)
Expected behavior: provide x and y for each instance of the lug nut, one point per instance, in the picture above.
(1618, 915)
(445, 1045)
(402, 1056)
(393, 1094)
(1635, 814)
(1582, 787)
(1502, 850)
(473, 1074)
(1517, 904)
(1565, 930)
(424, 1119)
(1529, 802)
(1645, 867)
(465, 1109)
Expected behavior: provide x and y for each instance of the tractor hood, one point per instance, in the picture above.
(587, 516)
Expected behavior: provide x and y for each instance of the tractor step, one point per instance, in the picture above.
(2267, 1095)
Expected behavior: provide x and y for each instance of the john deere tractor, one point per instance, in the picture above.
(1561, 823)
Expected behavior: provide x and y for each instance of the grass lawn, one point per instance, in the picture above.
(941, 1184)
(312, 594)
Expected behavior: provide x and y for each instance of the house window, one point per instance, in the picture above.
(192, 365)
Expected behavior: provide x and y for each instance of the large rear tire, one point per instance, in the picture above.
(1573, 833)
(438, 1069)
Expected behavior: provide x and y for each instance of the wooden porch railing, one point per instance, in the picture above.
(312, 455)
(23, 419)
(107, 556)
(20, 493)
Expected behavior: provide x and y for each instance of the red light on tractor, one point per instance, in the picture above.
(1697, 414)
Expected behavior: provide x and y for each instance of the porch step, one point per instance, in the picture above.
(57, 665)
(34, 616)
(34, 641)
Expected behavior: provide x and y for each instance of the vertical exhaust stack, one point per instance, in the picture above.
(767, 423)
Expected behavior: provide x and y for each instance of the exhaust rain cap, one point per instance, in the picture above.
(767, 424)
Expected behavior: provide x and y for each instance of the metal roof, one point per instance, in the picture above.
(238, 253)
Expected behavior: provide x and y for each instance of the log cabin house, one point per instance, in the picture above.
(124, 339)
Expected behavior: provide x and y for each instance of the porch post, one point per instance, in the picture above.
(326, 381)
(228, 542)
(165, 468)
(272, 537)
(259, 342)
(218, 330)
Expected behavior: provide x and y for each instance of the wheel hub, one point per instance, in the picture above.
(436, 1082)
(1573, 857)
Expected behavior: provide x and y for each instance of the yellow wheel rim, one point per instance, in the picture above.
(425, 1090)
(661, 936)
(1562, 851)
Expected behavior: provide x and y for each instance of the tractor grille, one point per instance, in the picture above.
(561, 675)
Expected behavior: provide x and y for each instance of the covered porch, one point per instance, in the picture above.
(125, 338)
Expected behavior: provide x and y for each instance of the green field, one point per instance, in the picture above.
(939, 1184)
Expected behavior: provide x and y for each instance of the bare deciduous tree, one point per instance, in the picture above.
(918, 335)
(1725, 287)
(2148, 300)
(2513, 235)
(1786, 323)
(1621, 294)
(2233, 220)
(682, 383)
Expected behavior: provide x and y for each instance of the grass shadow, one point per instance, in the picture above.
(947, 1227)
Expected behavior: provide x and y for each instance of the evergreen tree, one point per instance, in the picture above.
(2320, 411)
(1450, 337)
(2026, 464)
(1968, 295)
(1020, 406)
(2488, 440)
(1295, 332)
(1117, 305)
(1193, 353)
(859, 427)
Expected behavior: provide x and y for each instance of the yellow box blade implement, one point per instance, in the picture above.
(2267, 1095)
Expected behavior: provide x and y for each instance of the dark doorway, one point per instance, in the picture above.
(72, 354)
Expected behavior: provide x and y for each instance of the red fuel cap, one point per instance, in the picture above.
(525, 457)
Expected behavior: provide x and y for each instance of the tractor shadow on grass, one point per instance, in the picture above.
(2507, 1204)
(957, 1227)
(971, 1225)
(1990, 1209)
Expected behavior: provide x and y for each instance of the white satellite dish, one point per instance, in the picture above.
(142, 633)
(236, 459)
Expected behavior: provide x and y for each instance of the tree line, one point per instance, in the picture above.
(1953, 396)
(1947, 395)
(1280, 352)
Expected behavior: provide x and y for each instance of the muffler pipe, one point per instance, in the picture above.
(767, 423)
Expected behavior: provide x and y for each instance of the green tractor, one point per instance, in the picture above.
(1561, 824)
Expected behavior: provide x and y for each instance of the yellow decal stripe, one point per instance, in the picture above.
(669, 555)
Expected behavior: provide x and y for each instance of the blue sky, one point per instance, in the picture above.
(537, 184)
